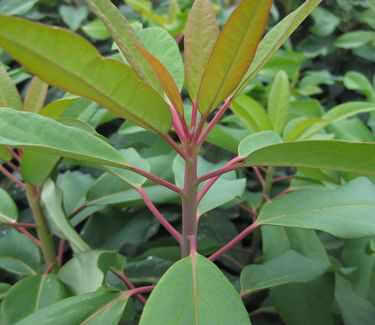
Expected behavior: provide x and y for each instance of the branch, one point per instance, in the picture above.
(129, 284)
(158, 215)
(139, 290)
(220, 171)
(13, 178)
(174, 145)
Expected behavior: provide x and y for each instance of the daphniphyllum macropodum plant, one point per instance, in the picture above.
(142, 89)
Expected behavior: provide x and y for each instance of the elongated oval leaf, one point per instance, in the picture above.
(35, 96)
(257, 141)
(353, 157)
(9, 96)
(84, 72)
(29, 130)
(30, 295)
(233, 53)
(347, 212)
(94, 308)
(204, 296)
(201, 33)
(275, 38)
(8, 209)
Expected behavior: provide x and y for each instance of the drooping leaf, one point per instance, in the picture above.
(205, 296)
(345, 212)
(233, 53)
(23, 129)
(8, 209)
(51, 197)
(9, 96)
(35, 96)
(356, 81)
(290, 267)
(275, 38)
(108, 82)
(278, 101)
(86, 271)
(18, 254)
(201, 33)
(94, 308)
(30, 295)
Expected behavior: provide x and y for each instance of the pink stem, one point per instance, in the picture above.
(19, 224)
(286, 191)
(259, 176)
(60, 253)
(193, 244)
(14, 154)
(139, 290)
(219, 172)
(199, 128)
(158, 215)
(130, 285)
(194, 114)
(215, 120)
(28, 235)
(49, 268)
(174, 145)
(177, 124)
(233, 242)
(212, 181)
(282, 179)
(13, 178)
(13, 166)
(156, 179)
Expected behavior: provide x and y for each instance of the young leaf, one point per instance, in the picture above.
(30, 295)
(28, 130)
(275, 38)
(346, 212)
(8, 209)
(166, 81)
(9, 96)
(35, 96)
(100, 307)
(111, 83)
(233, 53)
(204, 296)
(290, 267)
(201, 33)
(125, 38)
(278, 102)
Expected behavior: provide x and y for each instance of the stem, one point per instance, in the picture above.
(158, 215)
(139, 290)
(14, 154)
(194, 113)
(60, 254)
(233, 242)
(219, 172)
(190, 202)
(268, 183)
(13, 178)
(22, 230)
(212, 181)
(45, 236)
(259, 176)
(129, 284)
(156, 179)
(174, 145)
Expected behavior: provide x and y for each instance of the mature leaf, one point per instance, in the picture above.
(16, 7)
(8, 209)
(9, 96)
(96, 30)
(290, 267)
(30, 295)
(125, 38)
(4, 288)
(354, 39)
(275, 38)
(108, 82)
(233, 53)
(201, 33)
(257, 141)
(356, 81)
(322, 154)
(278, 101)
(86, 271)
(73, 16)
(18, 254)
(346, 212)
(205, 296)
(52, 201)
(23, 129)
(101, 307)
(35, 96)
(166, 81)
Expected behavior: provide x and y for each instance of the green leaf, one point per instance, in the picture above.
(23, 129)
(252, 113)
(5, 155)
(30, 295)
(52, 201)
(290, 267)
(233, 53)
(356, 81)
(354, 39)
(201, 33)
(73, 16)
(109, 82)
(35, 95)
(16, 7)
(275, 38)
(257, 141)
(4, 288)
(325, 22)
(18, 254)
(205, 296)
(96, 30)
(95, 308)
(322, 154)
(86, 272)
(9, 96)
(345, 212)
(278, 102)
(8, 209)
(125, 38)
